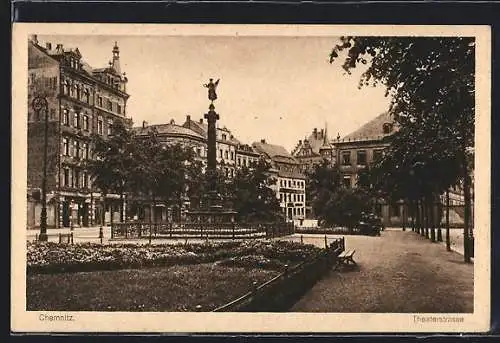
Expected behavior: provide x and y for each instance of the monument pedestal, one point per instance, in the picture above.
(212, 208)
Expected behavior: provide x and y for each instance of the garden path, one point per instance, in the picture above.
(399, 272)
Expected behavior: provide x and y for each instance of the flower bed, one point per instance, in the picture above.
(49, 257)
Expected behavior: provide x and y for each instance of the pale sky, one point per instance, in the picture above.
(277, 88)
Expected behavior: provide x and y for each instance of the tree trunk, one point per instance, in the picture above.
(467, 211)
(432, 219)
(427, 219)
(439, 221)
(447, 223)
(403, 208)
(111, 212)
(103, 214)
(151, 217)
(413, 215)
(419, 216)
(122, 207)
(424, 219)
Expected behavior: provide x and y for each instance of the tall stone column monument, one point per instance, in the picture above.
(213, 208)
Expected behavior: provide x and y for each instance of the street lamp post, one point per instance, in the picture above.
(39, 104)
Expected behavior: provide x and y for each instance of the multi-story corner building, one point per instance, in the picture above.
(290, 186)
(311, 151)
(169, 134)
(246, 156)
(363, 147)
(81, 101)
(314, 150)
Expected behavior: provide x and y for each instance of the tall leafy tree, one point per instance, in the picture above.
(323, 181)
(112, 161)
(431, 84)
(254, 198)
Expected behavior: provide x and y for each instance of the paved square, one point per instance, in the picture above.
(399, 272)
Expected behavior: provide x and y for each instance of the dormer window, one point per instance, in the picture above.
(224, 137)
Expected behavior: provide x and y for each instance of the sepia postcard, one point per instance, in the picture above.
(250, 178)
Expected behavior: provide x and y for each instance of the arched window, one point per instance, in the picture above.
(66, 87)
(87, 95)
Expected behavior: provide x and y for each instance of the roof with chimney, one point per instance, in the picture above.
(283, 162)
(381, 126)
(272, 150)
(311, 146)
(201, 127)
(167, 129)
(58, 50)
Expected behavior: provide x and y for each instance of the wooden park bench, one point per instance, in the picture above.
(346, 257)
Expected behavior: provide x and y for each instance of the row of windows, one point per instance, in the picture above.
(361, 159)
(75, 148)
(83, 93)
(296, 211)
(77, 91)
(43, 81)
(245, 161)
(82, 121)
(110, 80)
(288, 197)
(292, 184)
(225, 154)
(110, 105)
(75, 178)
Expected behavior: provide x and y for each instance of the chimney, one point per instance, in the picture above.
(300, 141)
(48, 46)
(322, 133)
(59, 48)
(315, 133)
(172, 122)
(201, 120)
(144, 124)
(263, 141)
(34, 39)
(188, 118)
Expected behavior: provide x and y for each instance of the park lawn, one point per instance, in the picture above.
(170, 289)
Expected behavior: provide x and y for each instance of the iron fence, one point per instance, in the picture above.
(134, 230)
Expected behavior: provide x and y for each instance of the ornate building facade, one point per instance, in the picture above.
(231, 155)
(314, 149)
(82, 101)
(291, 186)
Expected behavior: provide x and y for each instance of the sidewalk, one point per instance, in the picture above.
(399, 272)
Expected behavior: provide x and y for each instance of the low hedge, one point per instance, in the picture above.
(50, 257)
(324, 230)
